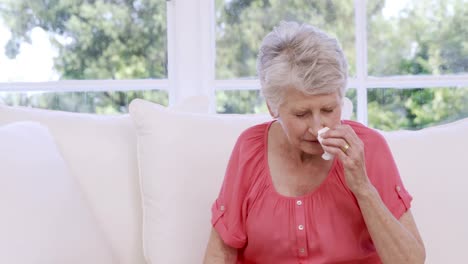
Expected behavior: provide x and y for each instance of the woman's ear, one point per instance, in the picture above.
(271, 112)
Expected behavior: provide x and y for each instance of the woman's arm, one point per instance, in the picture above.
(395, 241)
(217, 252)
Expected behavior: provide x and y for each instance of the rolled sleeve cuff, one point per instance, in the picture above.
(403, 202)
(218, 221)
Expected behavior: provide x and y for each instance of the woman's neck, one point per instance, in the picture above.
(292, 154)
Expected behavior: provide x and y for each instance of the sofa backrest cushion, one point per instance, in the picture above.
(44, 216)
(182, 159)
(101, 153)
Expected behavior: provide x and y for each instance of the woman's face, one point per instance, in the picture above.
(300, 112)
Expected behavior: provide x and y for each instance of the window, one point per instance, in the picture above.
(413, 39)
(241, 26)
(417, 38)
(97, 41)
(408, 58)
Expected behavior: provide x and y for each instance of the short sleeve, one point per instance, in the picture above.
(384, 175)
(229, 210)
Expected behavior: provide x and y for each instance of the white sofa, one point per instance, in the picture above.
(148, 178)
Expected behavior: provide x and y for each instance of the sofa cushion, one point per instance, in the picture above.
(433, 165)
(44, 217)
(180, 178)
(101, 153)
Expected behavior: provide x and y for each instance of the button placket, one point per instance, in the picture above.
(300, 229)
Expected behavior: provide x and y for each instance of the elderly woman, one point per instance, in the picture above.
(281, 201)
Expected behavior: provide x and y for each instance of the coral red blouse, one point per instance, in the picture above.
(323, 226)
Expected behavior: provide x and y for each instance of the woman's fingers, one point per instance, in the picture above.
(338, 143)
(341, 131)
(337, 150)
(343, 142)
(338, 153)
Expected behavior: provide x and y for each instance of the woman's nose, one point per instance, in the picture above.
(315, 124)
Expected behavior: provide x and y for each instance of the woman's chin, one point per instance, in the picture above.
(312, 148)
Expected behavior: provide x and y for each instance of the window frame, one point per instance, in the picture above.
(191, 64)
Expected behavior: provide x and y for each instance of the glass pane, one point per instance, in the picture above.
(240, 102)
(84, 102)
(251, 102)
(62, 39)
(393, 109)
(409, 37)
(241, 26)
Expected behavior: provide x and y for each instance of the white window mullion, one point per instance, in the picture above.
(208, 50)
(226, 85)
(360, 16)
(187, 51)
(171, 54)
(398, 82)
(85, 85)
(418, 81)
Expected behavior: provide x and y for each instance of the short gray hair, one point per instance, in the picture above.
(301, 57)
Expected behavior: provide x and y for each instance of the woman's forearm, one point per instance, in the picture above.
(212, 257)
(217, 252)
(393, 241)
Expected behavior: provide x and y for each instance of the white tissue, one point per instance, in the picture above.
(325, 155)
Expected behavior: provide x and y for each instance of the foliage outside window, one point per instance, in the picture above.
(108, 102)
(418, 37)
(99, 39)
(117, 40)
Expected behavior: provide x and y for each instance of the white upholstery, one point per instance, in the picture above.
(182, 158)
(433, 164)
(44, 218)
(101, 153)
